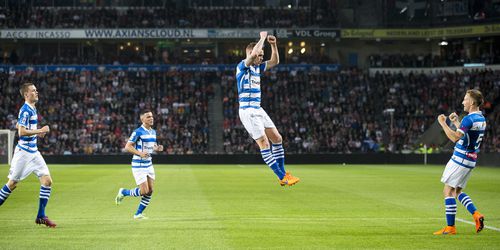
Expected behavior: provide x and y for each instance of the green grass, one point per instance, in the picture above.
(242, 206)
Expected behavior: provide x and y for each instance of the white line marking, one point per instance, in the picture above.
(473, 223)
(230, 218)
(182, 219)
(241, 166)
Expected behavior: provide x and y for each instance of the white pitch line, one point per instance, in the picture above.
(271, 219)
(241, 166)
(472, 223)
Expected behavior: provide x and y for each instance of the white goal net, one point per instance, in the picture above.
(6, 145)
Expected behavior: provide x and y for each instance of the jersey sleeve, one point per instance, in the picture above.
(465, 125)
(24, 118)
(241, 66)
(134, 137)
(263, 67)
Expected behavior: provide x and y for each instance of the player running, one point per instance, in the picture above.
(141, 144)
(27, 159)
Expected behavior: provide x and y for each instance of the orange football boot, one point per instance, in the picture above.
(289, 180)
(446, 230)
(479, 219)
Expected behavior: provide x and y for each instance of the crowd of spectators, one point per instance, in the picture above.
(162, 56)
(428, 60)
(95, 112)
(343, 112)
(315, 111)
(167, 17)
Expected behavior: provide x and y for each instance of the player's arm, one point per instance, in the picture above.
(130, 147)
(256, 49)
(454, 136)
(22, 126)
(23, 131)
(275, 57)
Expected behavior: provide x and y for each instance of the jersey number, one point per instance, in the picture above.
(478, 141)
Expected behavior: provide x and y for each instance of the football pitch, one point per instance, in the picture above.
(243, 207)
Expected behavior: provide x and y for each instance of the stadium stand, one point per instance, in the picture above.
(343, 112)
(95, 112)
(458, 58)
(155, 17)
(329, 112)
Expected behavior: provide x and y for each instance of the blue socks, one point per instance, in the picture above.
(135, 193)
(451, 207)
(271, 162)
(467, 202)
(132, 192)
(44, 199)
(451, 210)
(4, 194)
(144, 203)
(279, 155)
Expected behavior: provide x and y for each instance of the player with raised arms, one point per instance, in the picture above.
(253, 117)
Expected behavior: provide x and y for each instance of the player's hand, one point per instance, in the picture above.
(442, 119)
(41, 135)
(263, 34)
(453, 117)
(158, 148)
(144, 154)
(271, 39)
(45, 129)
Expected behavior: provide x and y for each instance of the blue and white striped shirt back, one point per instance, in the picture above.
(472, 127)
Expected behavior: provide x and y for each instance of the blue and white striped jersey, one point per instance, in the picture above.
(473, 126)
(28, 118)
(144, 141)
(248, 80)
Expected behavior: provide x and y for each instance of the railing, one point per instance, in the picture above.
(166, 67)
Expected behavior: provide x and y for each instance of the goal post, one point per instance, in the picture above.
(6, 145)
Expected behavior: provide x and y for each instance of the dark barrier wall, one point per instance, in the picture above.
(491, 159)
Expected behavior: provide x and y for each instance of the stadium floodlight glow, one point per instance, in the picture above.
(389, 111)
(472, 65)
(128, 43)
(303, 50)
(443, 43)
(290, 44)
(136, 48)
(322, 44)
(302, 44)
(290, 51)
(208, 51)
(121, 47)
(196, 51)
(185, 51)
(289, 6)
